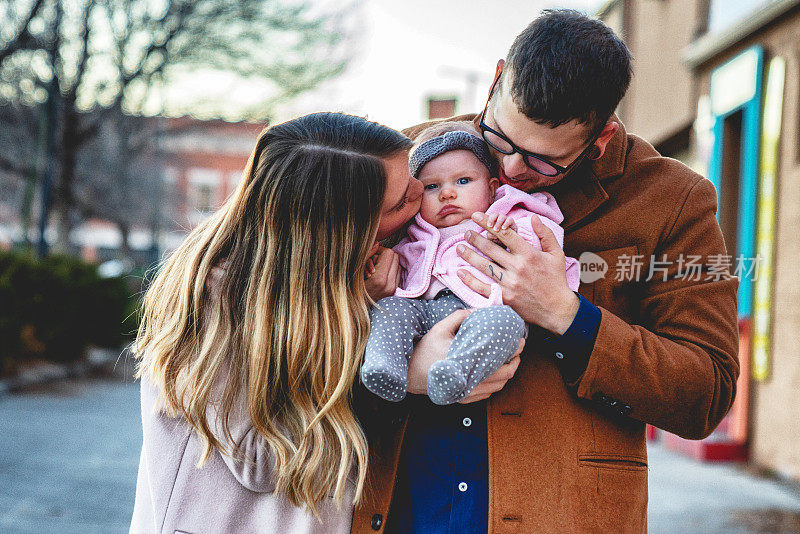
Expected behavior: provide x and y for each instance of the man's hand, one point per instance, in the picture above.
(434, 346)
(382, 281)
(534, 282)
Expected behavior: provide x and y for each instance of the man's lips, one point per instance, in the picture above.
(447, 210)
(507, 179)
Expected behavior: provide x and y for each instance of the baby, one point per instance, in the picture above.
(459, 178)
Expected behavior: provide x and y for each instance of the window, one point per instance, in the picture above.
(204, 198)
(203, 187)
(724, 14)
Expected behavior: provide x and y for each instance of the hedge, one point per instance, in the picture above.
(54, 308)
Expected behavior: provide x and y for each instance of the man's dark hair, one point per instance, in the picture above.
(567, 66)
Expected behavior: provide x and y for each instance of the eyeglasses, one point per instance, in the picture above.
(538, 163)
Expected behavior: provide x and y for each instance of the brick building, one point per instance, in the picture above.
(717, 85)
(441, 108)
(205, 161)
(201, 162)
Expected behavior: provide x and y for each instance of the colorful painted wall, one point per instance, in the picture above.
(764, 226)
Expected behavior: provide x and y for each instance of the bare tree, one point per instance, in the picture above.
(16, 33)
(20, 161)
(120, 176)
(103, 57)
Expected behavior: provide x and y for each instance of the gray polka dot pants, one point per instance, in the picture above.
(487, 339)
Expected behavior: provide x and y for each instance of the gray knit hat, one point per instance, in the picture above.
(457, 140)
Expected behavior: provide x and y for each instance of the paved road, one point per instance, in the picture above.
(693, 497)
(68, 459)
(69, 455)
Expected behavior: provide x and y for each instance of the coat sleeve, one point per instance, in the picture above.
(677, 368)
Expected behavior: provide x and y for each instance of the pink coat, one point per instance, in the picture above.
(422, 256)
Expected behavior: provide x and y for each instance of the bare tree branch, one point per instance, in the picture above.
(80, 70)
(109, 54)
(15, 168)
(22, 37)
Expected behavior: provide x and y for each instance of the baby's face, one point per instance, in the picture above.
(456, 185)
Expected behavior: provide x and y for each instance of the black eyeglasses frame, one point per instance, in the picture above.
(558, 169)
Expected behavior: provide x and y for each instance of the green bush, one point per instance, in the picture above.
(54, 308)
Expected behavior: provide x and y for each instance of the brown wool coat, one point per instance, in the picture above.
(562, 457)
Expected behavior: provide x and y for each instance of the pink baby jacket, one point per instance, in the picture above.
(423, 255)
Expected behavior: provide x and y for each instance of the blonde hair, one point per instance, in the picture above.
(288, 323)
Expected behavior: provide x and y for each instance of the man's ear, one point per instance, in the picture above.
(602, 141)
(498, 71)
(500, 64)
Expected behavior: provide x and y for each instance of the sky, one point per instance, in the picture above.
(413, 49)
(404, 52)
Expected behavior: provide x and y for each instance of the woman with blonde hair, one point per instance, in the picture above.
(252, 336)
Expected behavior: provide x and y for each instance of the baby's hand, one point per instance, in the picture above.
(385, 277)
(501, 222)
(371, 266)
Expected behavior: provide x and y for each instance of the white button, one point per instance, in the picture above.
(467, 421)
(559, 356)
(462, 487)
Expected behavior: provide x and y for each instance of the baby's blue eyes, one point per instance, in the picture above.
(460, 181)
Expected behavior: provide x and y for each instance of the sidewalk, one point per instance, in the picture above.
(69, 453)
(716, 498)
(98, 363)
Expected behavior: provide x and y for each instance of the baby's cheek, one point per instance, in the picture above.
(429, 207)
(481, 202)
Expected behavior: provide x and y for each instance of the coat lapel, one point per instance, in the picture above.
(581, 193)
(578, 198)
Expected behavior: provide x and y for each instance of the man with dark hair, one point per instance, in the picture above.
(646, 339)
(554, 88)
(566, 74)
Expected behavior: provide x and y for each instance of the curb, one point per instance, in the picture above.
(97, 362)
